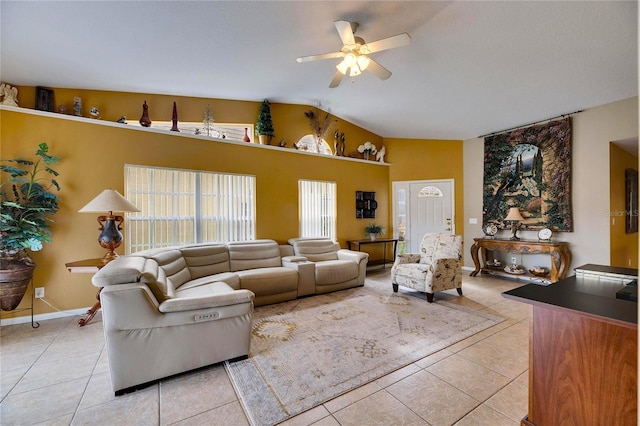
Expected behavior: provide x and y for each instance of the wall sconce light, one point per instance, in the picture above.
(515, 217)
(110, 237)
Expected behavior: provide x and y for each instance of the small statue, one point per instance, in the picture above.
(380, 154)
(122, 119)
(77, 106)
(174, 119)
(145, 121)
(94, 112)
(336, 135)
(342, 144)
(9, 95)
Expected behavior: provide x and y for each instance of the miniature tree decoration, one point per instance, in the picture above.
(264, 126)
(208, 121)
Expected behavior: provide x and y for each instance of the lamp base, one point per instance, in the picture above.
(514, 230)
(110, 238)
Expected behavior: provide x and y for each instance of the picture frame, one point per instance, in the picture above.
(44, 99)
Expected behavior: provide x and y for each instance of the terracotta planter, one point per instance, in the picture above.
(15, 276)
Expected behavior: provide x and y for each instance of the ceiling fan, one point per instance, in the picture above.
(355, 53)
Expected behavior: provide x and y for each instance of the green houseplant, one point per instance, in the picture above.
(264, 126)
(27, 204)
(373, 230)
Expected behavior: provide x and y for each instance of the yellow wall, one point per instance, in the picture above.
(94, 155)
(624, 247)
(289, 121)
(425, 159)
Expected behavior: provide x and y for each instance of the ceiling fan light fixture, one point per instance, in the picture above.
(355, 71)
(343, 67)
(350, 59)
(363, 62)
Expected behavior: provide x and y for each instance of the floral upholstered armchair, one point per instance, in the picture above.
(437, 267)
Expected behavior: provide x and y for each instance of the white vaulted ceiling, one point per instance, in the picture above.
(472, 67)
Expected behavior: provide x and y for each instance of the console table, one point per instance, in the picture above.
(583, 349)
(355, 245)
(559, 252)
(87, 266)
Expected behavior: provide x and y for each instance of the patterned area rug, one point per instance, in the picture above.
(310, 350)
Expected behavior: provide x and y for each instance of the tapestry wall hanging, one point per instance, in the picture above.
(529, 168)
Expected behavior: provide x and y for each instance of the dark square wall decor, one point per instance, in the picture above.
(530, 168)
(366, 205)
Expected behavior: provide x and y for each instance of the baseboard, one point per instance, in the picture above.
(43, 317)
(468, 268)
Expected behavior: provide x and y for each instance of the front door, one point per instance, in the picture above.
(422, 207)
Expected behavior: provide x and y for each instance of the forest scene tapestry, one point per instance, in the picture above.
(530, 168)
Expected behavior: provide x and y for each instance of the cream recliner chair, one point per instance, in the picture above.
(437, 267)
(335, 268)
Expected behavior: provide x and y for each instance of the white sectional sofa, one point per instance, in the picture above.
(170, 310)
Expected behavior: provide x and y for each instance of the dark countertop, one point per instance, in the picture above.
(589, 295)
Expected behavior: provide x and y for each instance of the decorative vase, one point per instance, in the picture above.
(145, 121)
(246, 135)
(15, 276)
(366, 156)
(373, 236)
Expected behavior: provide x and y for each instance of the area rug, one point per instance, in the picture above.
(308, 351)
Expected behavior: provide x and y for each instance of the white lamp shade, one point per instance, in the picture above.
(109, 200)
(514, 214)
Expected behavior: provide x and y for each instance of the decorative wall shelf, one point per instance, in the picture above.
(137, 128)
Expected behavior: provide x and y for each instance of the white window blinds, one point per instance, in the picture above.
(317, 200)
(185, 207)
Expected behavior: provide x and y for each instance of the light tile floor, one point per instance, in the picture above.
(58, 374)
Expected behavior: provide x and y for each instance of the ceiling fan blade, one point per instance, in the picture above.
(387, 43)
(337, 79)
(378, 70)
(318, 57)
(345, 31)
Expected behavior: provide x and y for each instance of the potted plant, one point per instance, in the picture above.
(373, 230)
(27, 205)
(264, 126)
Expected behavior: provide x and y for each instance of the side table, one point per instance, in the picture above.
(87, 266)
(357, 243)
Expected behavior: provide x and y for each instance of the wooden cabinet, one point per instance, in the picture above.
(583, 353)
(558, 251)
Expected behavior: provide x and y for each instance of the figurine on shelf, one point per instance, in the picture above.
(94, 112)
(77, 106)
(380, 154)
(145, 121)
(9, 95)
(174, 119)
(122, 119)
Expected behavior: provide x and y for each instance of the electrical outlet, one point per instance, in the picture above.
(39, 292)
(514, 261)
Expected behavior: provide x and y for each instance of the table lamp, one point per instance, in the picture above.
(110, 237)
(515, 217)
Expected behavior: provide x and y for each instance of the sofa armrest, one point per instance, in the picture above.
(407, 258)
(306, 273)
(356, 256)
(213, 301)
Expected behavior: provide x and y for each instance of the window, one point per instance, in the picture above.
(430, 192)
(317, 201)
(187, 206)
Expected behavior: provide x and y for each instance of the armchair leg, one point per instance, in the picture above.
(459, 290)
(430, 297)
(395, 287)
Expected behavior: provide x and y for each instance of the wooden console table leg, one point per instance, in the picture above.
(91, 312)
(474, 255)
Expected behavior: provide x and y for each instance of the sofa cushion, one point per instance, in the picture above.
(267, 281)
(335, 271)
(215, 287)
(315, 249)
(253, 254)
(206, 259)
